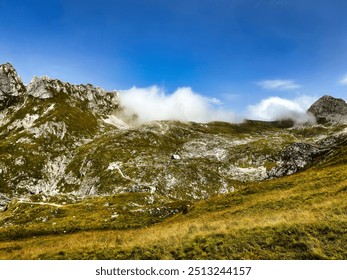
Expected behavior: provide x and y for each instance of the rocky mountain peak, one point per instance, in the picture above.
(39, 87)
(11, 86)
(12, 90)
(329, 108)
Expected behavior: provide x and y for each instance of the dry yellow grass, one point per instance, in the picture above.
(314, 198)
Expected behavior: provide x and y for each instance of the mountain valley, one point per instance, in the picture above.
(74, 166)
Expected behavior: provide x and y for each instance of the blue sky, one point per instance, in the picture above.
(241, 52)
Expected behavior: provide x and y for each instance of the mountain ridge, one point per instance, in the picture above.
(59, 132)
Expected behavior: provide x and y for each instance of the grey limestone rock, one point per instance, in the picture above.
(11, 86)
(329, 108)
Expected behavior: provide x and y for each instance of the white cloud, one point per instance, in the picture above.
(276, 108)
(153, 103)
(343, 81)
(279, 84)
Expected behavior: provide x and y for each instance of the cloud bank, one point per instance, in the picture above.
(278, 84)
(153, 103)
(277, 108)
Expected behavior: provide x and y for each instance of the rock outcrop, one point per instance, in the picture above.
(328, 108)
(11, 86)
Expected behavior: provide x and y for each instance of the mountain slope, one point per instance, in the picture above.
(301, 216)
(40, 132)
(59, 138)
(71, 161)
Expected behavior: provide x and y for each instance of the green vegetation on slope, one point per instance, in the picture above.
(78, 181)
(302, 216)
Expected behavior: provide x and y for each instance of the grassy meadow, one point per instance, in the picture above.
(301, 216)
